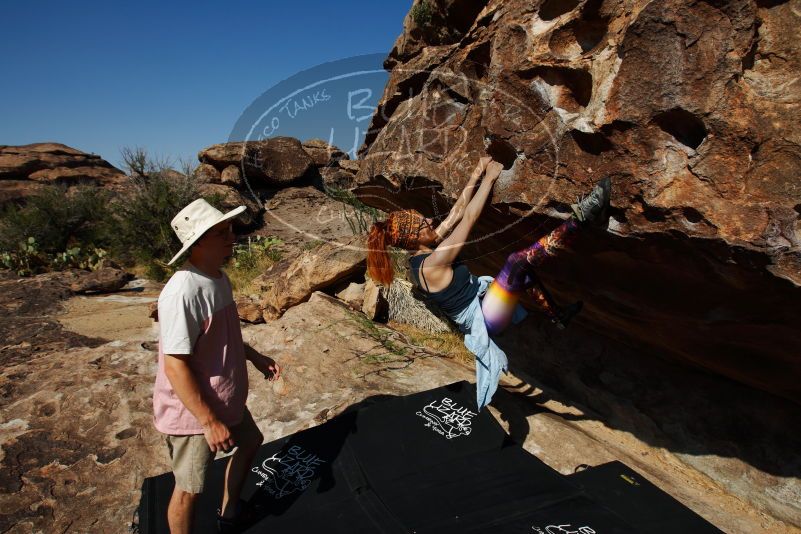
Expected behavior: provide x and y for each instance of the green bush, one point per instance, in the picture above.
(61, 228)
(56, 229)
(249, 255)
(421, 13)
(58, 219)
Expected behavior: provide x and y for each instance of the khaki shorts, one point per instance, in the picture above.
(191, 455)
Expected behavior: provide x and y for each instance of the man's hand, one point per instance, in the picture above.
(268, 367)
(493, 171)
(218, 436)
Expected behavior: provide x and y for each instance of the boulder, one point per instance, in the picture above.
(229, 198)
(349, 165)
(680, 104)
(304, 217)
(374, 304)
(353, 295)
(24, 168)
(207, 173)
(278, 161)
(338, 178)
(103, 280)
(291, 281)
(231, 176)
(323, 154)
(249, 310)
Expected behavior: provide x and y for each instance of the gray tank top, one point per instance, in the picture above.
(459, 293)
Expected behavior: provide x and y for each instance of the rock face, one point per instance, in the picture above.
(292, 281)
(691, 108)
(278, 161)
(323, 154)
(230, 198)
(24, 169)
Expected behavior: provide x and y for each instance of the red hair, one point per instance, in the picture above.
(398, 230)
(379, 264)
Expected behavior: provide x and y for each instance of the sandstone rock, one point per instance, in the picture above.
(292, 281)
(230, 198)
(231, 176)
(77, 438)
(277, 161)
(207, 173)
(23, 168)
(248, 310)
(323, 154)
(104, 280)
(337, 178)
(349, 165)
(678, 103)
(304, 217)
(18, 190)
(374, 305)
(353, 295)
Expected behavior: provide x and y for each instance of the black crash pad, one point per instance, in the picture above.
(421, 463)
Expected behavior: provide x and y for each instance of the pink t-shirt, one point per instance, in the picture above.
(197, 316)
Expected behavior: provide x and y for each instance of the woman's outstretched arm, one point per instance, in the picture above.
(457, 211)
(446, 252)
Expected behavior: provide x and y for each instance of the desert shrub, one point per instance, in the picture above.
(358, 215)
(250, 259)
(60, 228)
(56, 229)
(421, 13)
(156, 194)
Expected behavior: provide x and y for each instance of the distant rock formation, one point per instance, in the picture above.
(691, 108)
(26, 169)
(278, 162)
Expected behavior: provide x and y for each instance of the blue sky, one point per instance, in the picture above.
(172, 77)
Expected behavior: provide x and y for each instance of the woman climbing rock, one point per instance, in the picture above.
(480, 306)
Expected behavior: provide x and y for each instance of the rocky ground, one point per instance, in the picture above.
(77, 438)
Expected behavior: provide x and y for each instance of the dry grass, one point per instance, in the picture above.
(243, 277)
(448, 344)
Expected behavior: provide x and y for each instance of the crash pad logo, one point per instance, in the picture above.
(288, 472)
(563, 529)
(447, 418)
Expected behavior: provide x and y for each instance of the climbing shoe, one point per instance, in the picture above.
(592, 207)
(567, 313)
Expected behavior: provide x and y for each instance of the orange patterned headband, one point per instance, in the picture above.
(403, 227)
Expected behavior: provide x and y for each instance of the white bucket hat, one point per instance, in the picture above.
(193, 221)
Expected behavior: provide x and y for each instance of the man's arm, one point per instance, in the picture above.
(266, 365)
(457, 211)
(183, 382)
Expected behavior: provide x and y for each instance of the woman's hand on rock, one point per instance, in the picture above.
(493, 170)
(481, 167)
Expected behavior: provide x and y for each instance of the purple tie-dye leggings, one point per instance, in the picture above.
(517, 275)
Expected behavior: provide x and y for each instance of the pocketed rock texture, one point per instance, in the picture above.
(25, 169)
(692, 108)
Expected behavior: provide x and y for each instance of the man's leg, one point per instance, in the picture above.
(190, 457)
(248, 439)
(180, 511)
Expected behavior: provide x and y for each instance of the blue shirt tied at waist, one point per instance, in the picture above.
(490, 359)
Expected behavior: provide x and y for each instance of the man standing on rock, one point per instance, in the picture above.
(202, 381)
